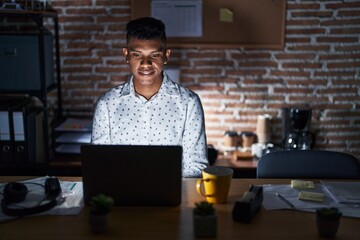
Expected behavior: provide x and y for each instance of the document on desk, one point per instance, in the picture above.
(272, 201)
(72, 193)
(343, 192)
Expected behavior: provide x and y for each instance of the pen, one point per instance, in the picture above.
(72, 187)
(285, 200)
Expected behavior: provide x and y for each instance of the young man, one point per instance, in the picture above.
(150, 109)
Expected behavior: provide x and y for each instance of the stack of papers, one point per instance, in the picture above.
(343, 195)
(343, 192)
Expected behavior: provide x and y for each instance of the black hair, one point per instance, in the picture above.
(146, 28)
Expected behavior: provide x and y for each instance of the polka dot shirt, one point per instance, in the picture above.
(173, 116)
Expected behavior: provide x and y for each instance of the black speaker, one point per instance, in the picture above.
(15, 192)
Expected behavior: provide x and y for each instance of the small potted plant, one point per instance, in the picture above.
(99, 213)
(205, 220)
(328, 220)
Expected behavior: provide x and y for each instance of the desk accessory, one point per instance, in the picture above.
(285, 200)
(205, 220)
(246, 207)
(311, 196)
(302, 184)
(215, 183)
(16, 192)
(328, 221)
(98, 215)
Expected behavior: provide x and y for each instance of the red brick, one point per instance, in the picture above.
(245, 72)
(285, 56)
(212, 63)
(85, 28)
(78, 19)
(341, 22)
(85, 11)
(343, 64)
(310, 31)
(247, 56)
(112, 3)
(72, 3)
(318, 47)
(301, 65)
(302, 22)
(339, 56)
(348, 48)
(195, 55)
(297, 39)
(306, 6)
(310, 99)
(290, 73)
(334, 74)
(345, 31)
(337, 39)
(290, 90)
(319, 14)
(338, 90)
(81, 61)
(348, 13)
(342, 5)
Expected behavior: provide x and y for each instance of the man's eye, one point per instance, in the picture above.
(136, 55)
(157, 55)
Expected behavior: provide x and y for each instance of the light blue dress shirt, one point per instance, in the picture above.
(173, 116)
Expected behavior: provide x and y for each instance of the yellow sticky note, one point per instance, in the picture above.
(226, 15)
(302, 184)
(311, 196)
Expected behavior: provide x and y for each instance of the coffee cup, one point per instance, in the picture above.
(215, 183)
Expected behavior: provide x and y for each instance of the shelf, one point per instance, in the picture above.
(38, 17)
(28, 13)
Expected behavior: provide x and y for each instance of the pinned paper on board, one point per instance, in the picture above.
(226, 15)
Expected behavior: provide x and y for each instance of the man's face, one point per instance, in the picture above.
(146, 60)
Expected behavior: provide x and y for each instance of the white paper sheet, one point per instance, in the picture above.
(272, 202)
(182, 18)
(343, 192)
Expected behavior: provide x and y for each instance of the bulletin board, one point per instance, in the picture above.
(254, 24)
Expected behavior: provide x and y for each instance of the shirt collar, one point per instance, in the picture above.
(167, 87)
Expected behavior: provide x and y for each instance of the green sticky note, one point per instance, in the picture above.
(226, 15)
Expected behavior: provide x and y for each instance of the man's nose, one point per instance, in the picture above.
(146, 61)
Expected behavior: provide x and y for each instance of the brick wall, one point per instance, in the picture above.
(319, 66)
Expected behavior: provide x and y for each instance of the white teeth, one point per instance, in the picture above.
(146, 73)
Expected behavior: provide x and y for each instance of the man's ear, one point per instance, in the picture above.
(126, 54)
(167, 54)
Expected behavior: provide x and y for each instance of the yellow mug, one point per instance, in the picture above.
(215, 183)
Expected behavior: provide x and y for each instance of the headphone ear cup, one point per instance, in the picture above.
(15, 192)
(52, 188)
(52, 192)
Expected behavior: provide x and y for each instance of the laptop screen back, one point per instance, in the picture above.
(133, 175)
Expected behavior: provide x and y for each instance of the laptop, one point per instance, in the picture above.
(133, 175)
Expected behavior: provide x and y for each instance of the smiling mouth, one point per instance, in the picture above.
(146, 72)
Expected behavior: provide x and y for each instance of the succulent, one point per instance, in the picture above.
(101, 204)
(329, 213)
(204, 208)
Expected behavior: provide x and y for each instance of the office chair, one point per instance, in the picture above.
(308, 164)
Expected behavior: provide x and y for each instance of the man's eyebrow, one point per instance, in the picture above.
(139, 51)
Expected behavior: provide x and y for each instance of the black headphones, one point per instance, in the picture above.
(15, 192)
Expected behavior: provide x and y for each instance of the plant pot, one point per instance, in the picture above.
(327, 228)
(205, 226)
(99, 223)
